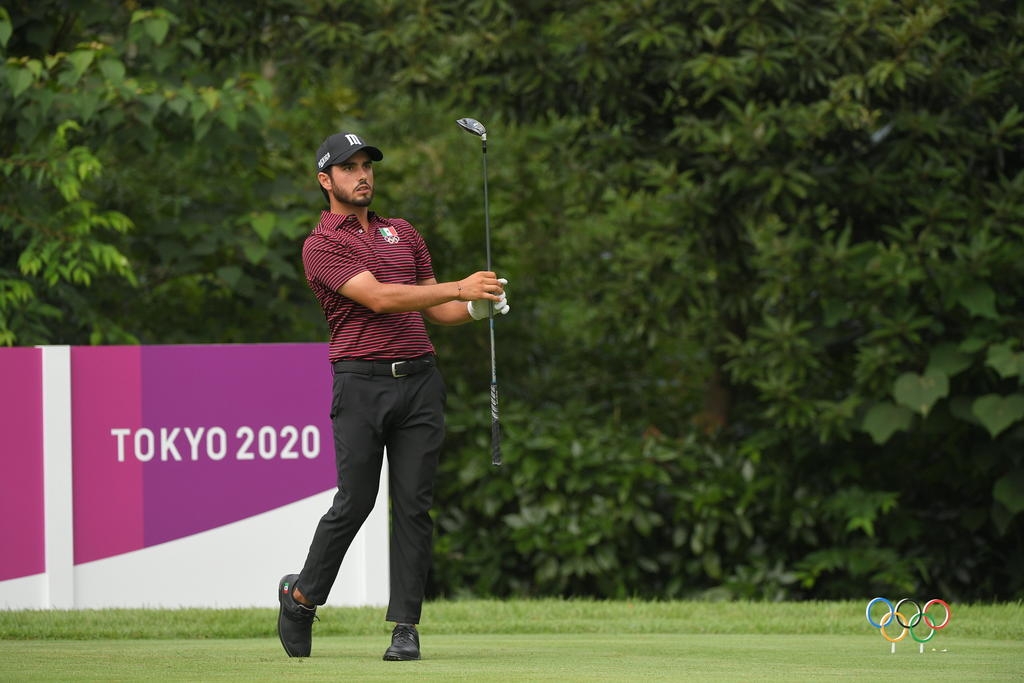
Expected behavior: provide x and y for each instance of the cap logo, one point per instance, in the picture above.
(353, 139)
(323, 160)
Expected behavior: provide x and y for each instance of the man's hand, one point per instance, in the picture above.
(480, 308)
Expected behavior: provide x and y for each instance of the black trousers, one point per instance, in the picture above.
(369, 413)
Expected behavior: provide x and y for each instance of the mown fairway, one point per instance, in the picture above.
(516, 640)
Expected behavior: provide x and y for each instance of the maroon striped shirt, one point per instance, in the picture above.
(395, 253)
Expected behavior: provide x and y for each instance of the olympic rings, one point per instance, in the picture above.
(893, 613)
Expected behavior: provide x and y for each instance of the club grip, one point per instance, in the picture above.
(495, 426)
(495, 443)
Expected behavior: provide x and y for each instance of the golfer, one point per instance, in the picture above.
(374, 280)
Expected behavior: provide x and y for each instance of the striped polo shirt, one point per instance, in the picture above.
(393, 250)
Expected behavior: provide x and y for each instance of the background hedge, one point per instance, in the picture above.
(765, 259)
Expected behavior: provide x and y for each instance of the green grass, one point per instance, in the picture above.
(514, 640)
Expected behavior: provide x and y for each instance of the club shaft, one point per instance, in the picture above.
(487, 206)
(495, 424)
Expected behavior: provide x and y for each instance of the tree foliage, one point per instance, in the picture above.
(765, 260)
(133, 161)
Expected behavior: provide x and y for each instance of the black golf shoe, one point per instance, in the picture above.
(294, 620)
(405, 644)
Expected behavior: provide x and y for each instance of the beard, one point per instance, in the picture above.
(351, 198)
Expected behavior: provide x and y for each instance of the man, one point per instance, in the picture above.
(375, 282)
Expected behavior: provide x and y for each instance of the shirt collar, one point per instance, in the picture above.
(337, 221)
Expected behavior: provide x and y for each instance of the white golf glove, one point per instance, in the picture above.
(478, 309)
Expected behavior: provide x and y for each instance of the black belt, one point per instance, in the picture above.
(388, 368)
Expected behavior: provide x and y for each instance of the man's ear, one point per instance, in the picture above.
(325, 179)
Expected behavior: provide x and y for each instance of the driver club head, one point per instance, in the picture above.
(473, 126)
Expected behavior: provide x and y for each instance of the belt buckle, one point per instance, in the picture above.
(394, 369)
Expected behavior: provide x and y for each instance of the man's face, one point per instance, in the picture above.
(352, 180)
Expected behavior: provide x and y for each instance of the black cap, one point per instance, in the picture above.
(339, 147)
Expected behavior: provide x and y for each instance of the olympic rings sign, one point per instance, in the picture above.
(893, 614)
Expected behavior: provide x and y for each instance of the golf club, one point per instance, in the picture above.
(477, 128)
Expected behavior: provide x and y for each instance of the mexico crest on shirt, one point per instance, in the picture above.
(389, 234)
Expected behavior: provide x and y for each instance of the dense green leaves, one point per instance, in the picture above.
(766, 260)
(122, 114)
(800, 228)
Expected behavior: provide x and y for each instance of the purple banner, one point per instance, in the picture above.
(22, 532)
(170, 441)
(106, 390)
